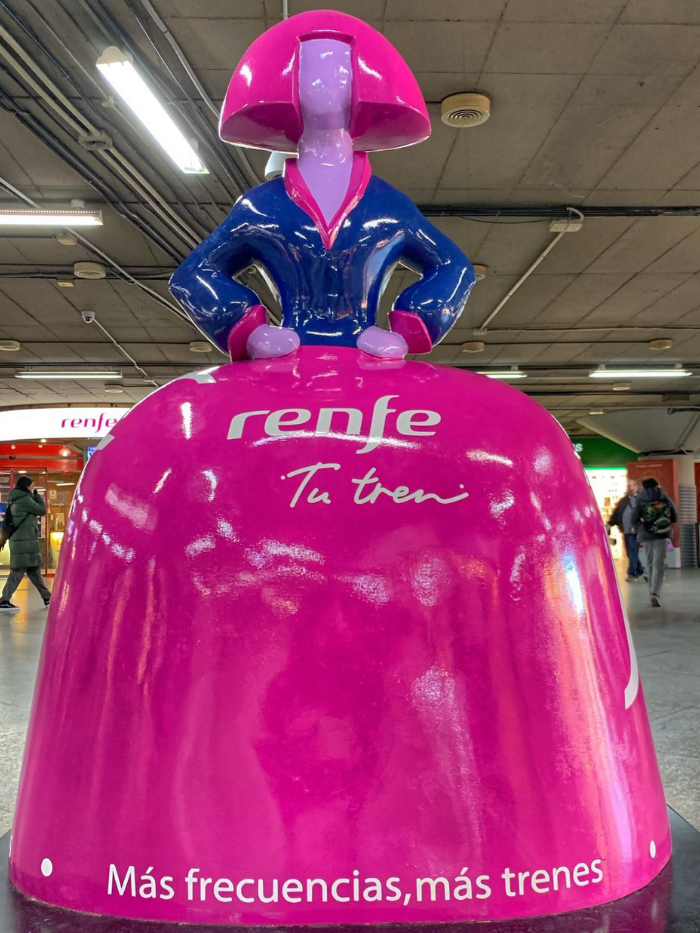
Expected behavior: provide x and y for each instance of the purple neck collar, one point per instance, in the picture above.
(299, 192)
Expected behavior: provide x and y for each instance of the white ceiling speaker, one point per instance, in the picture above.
(10, 346)
(480, 271)
(112, 389)
(89, 270)
(200, 346)
(474, 346)
(465, 110)
(663, 343)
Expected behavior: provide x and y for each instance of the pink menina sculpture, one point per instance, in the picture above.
(346, 644)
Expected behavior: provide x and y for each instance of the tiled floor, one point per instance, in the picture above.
(668, 648)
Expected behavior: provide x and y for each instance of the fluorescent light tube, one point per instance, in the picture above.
(503, 374)
(78, 374)
(118, 69)
(12, 217)
(639, 373)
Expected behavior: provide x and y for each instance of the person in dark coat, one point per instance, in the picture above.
(622, 519)
(653, 518)
(25, 505)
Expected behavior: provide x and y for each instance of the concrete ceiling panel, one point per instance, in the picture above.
(439, 46)
(643, 243)
(682, 12)
(496, 154)
(545, 48)
(563, 11)
(633, 296)
(535, 294)
(666, 150)
(465, 10)
(584, 294)
(510, 248)
(215, 43)
(644, 50)
(602, 118)
(576, 251)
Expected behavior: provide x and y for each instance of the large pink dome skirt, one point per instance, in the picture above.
(337, 640)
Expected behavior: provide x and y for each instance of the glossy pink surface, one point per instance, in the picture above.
(243, 685)
(262, 106)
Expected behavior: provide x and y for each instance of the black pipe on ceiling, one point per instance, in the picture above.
(553, 211)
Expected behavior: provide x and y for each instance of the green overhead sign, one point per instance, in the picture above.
(601, 452)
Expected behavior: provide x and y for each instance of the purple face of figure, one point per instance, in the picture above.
(325, 83)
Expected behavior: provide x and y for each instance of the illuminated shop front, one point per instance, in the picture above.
(52, 445)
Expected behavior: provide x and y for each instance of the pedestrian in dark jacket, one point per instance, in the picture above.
(653, 518)
(622, 519)
(25, 505)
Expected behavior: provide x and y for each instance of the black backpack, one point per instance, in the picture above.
(656, 516)
(8, 526)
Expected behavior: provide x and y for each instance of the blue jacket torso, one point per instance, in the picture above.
(329, 296)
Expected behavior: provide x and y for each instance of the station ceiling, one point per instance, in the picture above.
(594, 105)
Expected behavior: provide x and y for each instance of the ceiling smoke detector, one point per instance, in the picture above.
(89, 270)
(465, 110)
(663, 343)
(474, 346)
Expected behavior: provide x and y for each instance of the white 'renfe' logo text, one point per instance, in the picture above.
(413, 423)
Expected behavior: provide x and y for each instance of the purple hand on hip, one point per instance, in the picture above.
(267, 342)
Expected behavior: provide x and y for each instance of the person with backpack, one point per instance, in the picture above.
(653, 518)
(21, 528)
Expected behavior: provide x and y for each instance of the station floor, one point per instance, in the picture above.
(668, 648)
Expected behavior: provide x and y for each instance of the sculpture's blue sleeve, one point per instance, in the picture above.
(447, 275)
(204, 283)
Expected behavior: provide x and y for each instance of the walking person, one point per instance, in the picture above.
(622, 519)
(24, 505)
(653, 518)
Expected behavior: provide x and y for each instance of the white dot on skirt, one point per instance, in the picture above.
(46, 867)
(652, 849)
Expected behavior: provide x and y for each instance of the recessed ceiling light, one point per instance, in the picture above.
(64, 453)
(596, 411)
(505, 374)
(10, 346)
(13, 217)
(619, 373)
(118, 68)
(43, 440)
(111, 389)
(621, 387)
(663, 343)
(68, 374)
